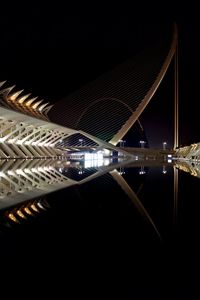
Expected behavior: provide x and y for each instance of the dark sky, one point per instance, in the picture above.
(52, 51)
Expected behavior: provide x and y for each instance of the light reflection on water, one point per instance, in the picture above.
(21, 180)
(134, 220)
(25, 183)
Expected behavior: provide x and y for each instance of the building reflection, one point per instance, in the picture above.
(189, 166)
(22, 180)
(24, 212)
(24, 184)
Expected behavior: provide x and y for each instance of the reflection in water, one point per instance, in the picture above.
(164, 171)
(132, 195)
(142, 170)
(189, 166)
(23, 212)
(24, 183)
(175, 194)
(22, 180)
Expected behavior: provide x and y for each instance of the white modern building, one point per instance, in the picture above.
(26, 132)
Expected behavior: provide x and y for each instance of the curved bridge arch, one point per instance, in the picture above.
(129, 123)
(132, 83)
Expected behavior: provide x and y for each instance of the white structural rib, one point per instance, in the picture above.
(23, 136)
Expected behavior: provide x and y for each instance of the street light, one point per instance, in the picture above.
(121, 143)
(164, 145)
(81, 141)
(142, 144)
(121, 171)
(80, 171)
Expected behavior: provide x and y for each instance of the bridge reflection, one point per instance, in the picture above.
(24, 184)
(190, 166)
(22, 180)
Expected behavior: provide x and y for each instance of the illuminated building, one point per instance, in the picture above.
(25, 131)
(96, 117)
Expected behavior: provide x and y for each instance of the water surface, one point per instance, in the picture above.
(115, 226)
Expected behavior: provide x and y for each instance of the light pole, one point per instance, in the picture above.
(81, 141)
(164, 171)
(121, 171)
(164, 145)
(80, 172)
(142, 170)
(142, 144)
(121, 143)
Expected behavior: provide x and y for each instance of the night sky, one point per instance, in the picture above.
(52, 52)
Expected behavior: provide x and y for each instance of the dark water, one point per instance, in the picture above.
(130, 231)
